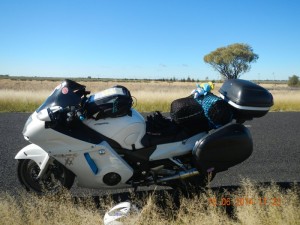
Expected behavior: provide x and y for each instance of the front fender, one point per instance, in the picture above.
(35, 153)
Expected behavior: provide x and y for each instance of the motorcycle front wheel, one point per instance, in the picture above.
(56, 178)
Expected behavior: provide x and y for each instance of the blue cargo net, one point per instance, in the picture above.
(216, 110)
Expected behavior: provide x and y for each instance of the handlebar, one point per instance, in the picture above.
(74, 113)
(68, 114)
(80, 115)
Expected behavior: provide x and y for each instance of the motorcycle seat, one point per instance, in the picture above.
(162, 130)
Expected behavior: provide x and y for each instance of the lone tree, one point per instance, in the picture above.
(293, 81)
(231, 61)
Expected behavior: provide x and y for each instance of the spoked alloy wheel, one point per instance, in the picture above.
(53, 181)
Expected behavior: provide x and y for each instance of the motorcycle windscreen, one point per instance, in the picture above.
(223, 148)
(68, 93)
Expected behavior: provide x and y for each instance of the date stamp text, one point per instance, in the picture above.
(244, 201)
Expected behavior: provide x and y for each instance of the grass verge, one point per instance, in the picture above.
(18, 96)
(21, 103)
(250, 204)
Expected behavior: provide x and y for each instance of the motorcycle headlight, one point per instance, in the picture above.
(26, 124)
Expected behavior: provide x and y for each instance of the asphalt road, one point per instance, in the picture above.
(276, 155)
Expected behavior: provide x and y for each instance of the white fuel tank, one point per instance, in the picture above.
(126, 130)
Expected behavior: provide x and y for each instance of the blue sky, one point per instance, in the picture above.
(145, 38)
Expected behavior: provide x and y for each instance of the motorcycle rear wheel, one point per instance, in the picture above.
(56, 178)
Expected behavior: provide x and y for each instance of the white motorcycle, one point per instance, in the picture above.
(106, 144)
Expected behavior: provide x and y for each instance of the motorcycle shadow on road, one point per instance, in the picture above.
(163, 197)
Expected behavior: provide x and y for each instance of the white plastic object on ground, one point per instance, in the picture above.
(113, 215)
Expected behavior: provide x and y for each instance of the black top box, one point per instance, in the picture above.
(247, 98)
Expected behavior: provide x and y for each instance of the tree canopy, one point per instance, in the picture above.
(231, 61)
(293, 81)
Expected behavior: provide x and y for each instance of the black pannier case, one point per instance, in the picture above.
(112, 102)
(223, 148)
(248, 99)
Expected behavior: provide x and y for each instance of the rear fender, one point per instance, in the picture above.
(37, 154)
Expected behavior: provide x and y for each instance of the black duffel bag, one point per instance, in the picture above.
(200, 114)
(217, 111)
(189, 114)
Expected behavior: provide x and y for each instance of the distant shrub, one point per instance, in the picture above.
(293, 81)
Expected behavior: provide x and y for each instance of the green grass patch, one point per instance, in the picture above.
(151, 106)
(18, 105)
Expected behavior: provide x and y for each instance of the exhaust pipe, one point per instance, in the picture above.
(180, 175)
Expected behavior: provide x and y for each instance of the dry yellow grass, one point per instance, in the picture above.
(30, 209)
(265, 206)
(286, 100)
(26, 96)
